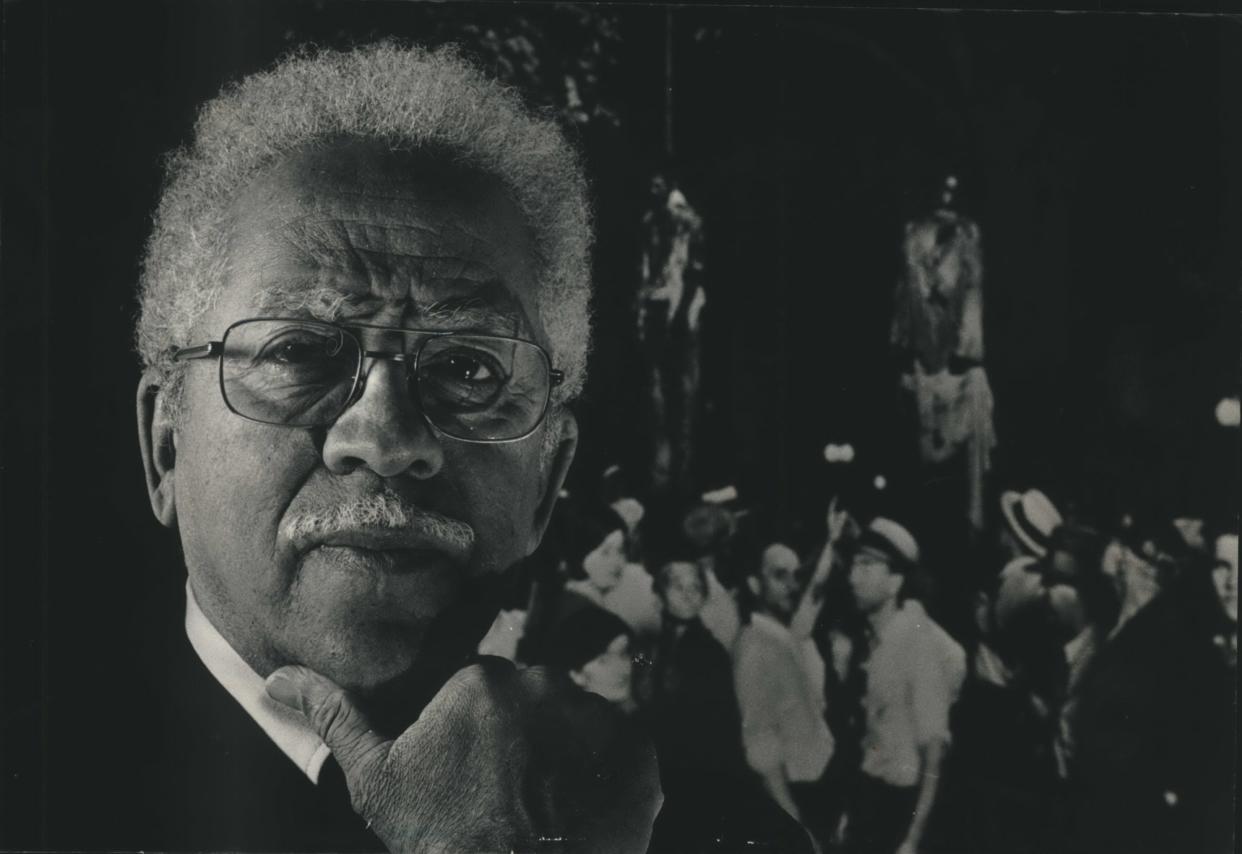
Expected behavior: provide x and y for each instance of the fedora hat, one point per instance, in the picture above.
(1032, 518)
(1157, 541)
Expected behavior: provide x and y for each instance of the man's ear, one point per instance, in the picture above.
(752, 584)
(157, 439)
(555, 468)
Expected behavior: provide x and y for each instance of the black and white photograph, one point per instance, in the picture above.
(870, 477)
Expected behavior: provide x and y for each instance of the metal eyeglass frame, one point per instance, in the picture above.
(212, 349)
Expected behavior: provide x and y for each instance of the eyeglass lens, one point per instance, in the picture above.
(303, 374)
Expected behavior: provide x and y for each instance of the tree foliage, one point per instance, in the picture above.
(562, 57)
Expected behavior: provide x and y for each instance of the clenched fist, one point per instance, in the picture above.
(500, 760)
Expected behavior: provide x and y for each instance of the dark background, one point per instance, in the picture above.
(1099, 153)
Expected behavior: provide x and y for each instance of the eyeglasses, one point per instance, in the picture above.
(306, 373)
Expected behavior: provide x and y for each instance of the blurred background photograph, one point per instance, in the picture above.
(906, 498)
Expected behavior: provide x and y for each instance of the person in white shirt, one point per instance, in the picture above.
(914, 674)
(779, 678)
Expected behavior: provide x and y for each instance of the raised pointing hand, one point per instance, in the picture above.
(839, 521)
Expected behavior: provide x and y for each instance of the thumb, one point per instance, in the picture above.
(358, 749)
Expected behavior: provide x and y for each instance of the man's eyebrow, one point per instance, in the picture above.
(321, 303)
(470, 312)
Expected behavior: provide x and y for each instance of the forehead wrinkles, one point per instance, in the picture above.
(392, 259)
(357, 241)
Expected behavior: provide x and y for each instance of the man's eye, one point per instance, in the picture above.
(298, 350)
(295, 352)
(467, 367)
(462, 377)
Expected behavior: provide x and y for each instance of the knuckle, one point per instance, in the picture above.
(331, 716)
(463, 682)
(480, 687)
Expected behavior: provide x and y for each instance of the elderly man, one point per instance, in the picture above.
(363, 315)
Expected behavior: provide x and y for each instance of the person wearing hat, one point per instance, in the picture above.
(1027, 537)
(1150, 556)
(1152, 724)
(592, 647)
(633, 597)
(593, 552)
(914, 674)
(1030, 518)
(1001, 785)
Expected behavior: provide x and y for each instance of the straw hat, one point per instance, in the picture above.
(891, 541)
(1032, 518)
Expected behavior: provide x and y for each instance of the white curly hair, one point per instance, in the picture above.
(407, 97)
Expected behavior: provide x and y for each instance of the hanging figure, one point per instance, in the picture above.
(938, 332)
(670, 302)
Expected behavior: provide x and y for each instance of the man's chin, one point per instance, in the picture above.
(390, 676)
(360, 659)
(394, 669)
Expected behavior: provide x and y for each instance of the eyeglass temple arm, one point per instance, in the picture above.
(199, 351)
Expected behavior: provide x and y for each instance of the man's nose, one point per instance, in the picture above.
(383, 430)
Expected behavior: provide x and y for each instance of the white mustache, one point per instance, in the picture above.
(377, 514)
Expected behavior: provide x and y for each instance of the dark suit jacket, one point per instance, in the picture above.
(175, 763)
(1155, 734)
(695, 718)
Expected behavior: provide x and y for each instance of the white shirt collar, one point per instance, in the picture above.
(287, 728)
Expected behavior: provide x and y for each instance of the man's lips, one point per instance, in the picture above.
(404, 542)
(394, 561)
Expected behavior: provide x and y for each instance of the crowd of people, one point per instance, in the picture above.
(1085, 705)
